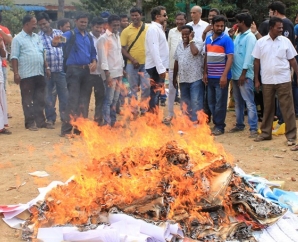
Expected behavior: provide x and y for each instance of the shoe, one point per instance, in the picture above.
(5, 131)
(217, 132)
(177, 99)
(163, 103)
(295, 148)
(291, 142)
(261, 138)
(50, 125)
(235, 129)
(253, 134)
(33, 128)
(167, 120)
(8, 115)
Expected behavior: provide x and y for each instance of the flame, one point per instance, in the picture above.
(122, 166)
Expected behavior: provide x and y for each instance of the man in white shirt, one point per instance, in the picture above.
(197, 23)
(157, 55)
(110, 57)
(173, 40)
(275, 53)
(96, 81)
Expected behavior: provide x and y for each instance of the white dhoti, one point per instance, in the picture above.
(3, 106)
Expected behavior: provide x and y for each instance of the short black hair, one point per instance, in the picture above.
(244, 17)
(27, 18)
(123, 16)
(218, 18)
(112, 18)
(273, 21)
(81, 15)
(62, 22)
(187, 27)
(181, 13)
(278, 6)
(97, 20)
(42, 15)
(136, 9)
(156, 11)
(214, 10)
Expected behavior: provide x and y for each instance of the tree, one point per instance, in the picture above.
(95, 7)
(12, 16)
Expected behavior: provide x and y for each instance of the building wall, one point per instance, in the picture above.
(44, 2)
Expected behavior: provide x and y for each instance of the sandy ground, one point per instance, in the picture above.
(26, 151)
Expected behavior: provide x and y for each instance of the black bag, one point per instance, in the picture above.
(129, 48)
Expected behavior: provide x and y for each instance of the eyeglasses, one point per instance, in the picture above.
(164, 15)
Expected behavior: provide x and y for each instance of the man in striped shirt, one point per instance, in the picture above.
(217, 65)
(54, 57)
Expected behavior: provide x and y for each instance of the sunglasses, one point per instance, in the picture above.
(165, 15)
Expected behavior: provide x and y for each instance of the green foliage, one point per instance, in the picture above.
(95, 7)
(12, 16)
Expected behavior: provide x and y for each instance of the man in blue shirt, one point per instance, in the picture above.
(217, 65)
(54, 57)
(81, 60)
(28, 64)
(243, 74)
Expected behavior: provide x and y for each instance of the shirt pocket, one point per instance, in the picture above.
(281, 53)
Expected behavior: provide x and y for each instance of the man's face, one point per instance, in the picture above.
(97, 29)
(44, 25)
(82, 23)
(185, 35)
(65, 27)
(32, 25)
(180, 21)
(271, 13)
(195, 14)
(218, 27)
(277, 29)
(115, 26)
(136, 18)
(162, 17)
(211, 15)
(124, 23)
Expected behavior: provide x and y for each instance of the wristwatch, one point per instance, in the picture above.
(48, 68)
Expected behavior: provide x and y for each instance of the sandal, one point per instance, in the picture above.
(261, 138)
(295, 148)
(5, 131)
(167, 120)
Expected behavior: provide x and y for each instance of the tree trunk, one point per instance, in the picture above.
(60, 13)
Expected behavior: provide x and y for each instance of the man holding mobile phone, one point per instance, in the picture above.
(54, 57)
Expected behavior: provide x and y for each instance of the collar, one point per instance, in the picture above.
(109, 33)
(246, 32)
(157, 24)
(133, 27)
(25, 34)
(267, 37)
(199, 23)
(94, 37)
(219, 37)
(78, 32)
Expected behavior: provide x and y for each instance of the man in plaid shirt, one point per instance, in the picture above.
(54, 57)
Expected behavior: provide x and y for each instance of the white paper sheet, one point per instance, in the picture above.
(14, 223)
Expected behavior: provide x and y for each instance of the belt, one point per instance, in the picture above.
(80, 66)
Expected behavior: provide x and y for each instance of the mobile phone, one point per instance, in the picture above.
(62, 39)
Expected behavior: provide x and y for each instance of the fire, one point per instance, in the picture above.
(147, 170)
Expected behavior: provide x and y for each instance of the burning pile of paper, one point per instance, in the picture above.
(205, 198)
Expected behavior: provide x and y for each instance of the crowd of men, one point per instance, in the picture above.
(200, 58)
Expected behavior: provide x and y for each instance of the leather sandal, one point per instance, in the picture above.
(261, 138)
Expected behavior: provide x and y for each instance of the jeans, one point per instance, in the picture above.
(33, 101)
(110, 101)
(99, 93)
(57, 80)
(192, 95)
(138, 77)
(77, 79)
(245, 95)
(155, 90)
(217, 101)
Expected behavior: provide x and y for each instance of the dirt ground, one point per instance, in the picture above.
(26, 151)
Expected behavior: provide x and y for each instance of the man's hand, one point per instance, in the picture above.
(208, 28)
(17, 78)
(192, 35)
(162, 75)
(48, 73)
(242, 80)
(223, 82)
(109, 82)
(92, 66)
(253, 27)
(257, 84)
(205, 79)
(135, 64)
(56, 40)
